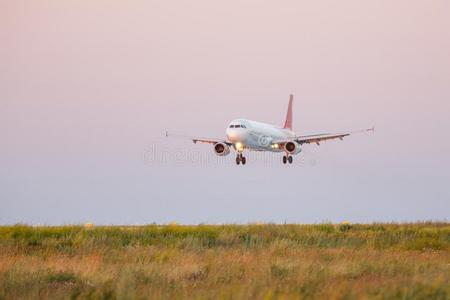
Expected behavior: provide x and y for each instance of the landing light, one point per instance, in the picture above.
(239, 146)
(275, 146)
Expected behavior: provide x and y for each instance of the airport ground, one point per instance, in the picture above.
(258, 261)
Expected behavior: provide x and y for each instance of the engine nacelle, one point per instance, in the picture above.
(292, 148)
(221, 149)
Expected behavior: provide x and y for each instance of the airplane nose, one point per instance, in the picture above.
(231, 135)
(236, 135)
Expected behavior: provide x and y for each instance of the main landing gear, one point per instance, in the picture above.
(240, 159)
(287, 158)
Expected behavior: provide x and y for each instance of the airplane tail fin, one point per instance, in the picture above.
(288, 122)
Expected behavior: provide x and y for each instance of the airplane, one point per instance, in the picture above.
(242, 134)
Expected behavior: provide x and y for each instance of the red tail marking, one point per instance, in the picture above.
(288, 122)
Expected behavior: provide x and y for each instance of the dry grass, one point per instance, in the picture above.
(379, 261)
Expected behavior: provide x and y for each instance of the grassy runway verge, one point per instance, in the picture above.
(324, 261)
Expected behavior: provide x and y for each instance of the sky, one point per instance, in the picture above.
(89, 88)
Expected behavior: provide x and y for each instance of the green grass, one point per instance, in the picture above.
(327, 261)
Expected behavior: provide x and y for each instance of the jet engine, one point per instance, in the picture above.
(292, 148)
(221, 149)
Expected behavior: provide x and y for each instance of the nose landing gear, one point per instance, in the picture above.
(287, 158)
(240, 159)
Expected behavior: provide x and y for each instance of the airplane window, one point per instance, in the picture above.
(238, 126)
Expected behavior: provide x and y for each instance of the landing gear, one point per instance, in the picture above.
(240, 159)
(287, 158)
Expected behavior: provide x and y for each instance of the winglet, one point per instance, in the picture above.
(288, 122)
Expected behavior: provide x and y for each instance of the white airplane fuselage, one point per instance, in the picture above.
(256, 136)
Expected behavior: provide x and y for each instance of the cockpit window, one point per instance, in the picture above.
(237, 126)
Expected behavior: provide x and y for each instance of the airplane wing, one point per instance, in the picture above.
(210, 141)
(318, 138)
(200, 139)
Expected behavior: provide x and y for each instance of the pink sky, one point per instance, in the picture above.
(87, 87)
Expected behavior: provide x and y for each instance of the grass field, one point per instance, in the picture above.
(324, 261)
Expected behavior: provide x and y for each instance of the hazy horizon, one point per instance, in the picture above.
(89, 88)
